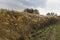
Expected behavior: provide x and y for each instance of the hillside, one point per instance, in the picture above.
(25, 26)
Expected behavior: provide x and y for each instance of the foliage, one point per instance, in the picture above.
(52, 14)
(31, 11)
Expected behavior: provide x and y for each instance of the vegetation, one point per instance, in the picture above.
(26, 26)
(52, 14)
(32, 11)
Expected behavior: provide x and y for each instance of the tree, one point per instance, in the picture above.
(52, 14)
(31, 11)
(36, 11)
(48, 13)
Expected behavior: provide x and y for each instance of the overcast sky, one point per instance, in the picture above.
(43, 6)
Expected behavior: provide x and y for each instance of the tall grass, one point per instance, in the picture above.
(18, 25)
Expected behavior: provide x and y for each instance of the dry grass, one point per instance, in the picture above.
(17, 25)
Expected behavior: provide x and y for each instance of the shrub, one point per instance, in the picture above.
(31, 11)
(51, 14)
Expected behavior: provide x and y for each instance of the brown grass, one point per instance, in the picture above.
(17, 25)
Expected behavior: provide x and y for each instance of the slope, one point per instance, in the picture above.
(25, 26)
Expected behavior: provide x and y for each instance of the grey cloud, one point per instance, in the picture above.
(15, 4)
(35, 3)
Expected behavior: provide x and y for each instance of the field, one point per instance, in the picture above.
(25, 26)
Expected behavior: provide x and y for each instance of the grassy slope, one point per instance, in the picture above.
(58, 31)
(23, 26)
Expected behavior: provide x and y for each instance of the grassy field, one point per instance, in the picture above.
(57, 31)
(52, 32)
(25, 26)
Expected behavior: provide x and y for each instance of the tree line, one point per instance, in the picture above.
(35, 11)
(32, 11)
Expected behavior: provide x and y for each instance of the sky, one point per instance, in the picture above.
(44, 6)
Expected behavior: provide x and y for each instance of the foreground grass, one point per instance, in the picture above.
(58, 31)
(25, 26)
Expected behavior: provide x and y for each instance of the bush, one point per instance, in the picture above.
(31, 11)
(51, 14)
